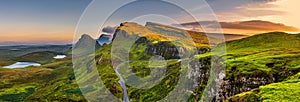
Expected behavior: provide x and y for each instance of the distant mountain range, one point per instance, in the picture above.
(29, 44)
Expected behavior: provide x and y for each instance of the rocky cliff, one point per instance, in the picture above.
(248, 65)
(169, 42)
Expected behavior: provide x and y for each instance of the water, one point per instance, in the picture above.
(22, 65)
(122, 83)
(59, 56)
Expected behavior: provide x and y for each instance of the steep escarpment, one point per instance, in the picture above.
(244, 83)
(273, 58)
(142, 68)
(288, 91)
(150, 43)
(156, 39)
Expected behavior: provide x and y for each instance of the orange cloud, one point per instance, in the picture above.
(243, 27)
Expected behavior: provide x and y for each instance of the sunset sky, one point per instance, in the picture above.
(41, 21)
(54, 21)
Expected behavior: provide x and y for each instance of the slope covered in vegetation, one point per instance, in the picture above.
(258, 68)
(260, 60)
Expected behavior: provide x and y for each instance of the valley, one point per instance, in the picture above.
(258, 68)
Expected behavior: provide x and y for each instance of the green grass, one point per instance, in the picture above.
(17, 96)
(52, 82)
(40, 57)
(276, 40)
(267, 53)
(276, 54)
(272, 54)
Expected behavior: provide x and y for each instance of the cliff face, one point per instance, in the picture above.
(248, 65)
(165, 41)
(253, 65)
(149, 42)
(244, 83)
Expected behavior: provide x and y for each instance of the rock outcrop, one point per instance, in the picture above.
(243, 83)
(104, 39)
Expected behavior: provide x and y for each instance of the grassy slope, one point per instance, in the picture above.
(44, 57)
(156, 93)
(159, 32)
(248, 58)
(55, 81)
(270, 53)
(50, 82)
(5, 61)
(40, 57)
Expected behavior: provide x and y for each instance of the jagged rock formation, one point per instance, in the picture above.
(85, 45)
(86, 40)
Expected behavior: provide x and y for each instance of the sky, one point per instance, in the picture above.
(40, 21)
(55, 21)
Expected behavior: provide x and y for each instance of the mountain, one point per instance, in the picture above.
(85, 44)
(85, 40)
(168, 29)
(250, 62)
(262, 67)
(159, 32)
(104, 39)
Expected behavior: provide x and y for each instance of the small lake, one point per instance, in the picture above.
(22, 65)
(59, 56)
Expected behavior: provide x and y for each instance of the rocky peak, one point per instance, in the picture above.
(130, 28)
(86, 42)
(159, 32)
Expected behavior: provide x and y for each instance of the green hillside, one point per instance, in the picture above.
(268, 53)
(266, 58)
(275, 40)
(40, 57)
(51, 82)
(251, 62)
(263, 67)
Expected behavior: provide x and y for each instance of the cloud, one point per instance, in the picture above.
(232, 10)
(253, 26)
(109, 29)
(227, 5)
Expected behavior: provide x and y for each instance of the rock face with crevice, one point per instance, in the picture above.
(244, 83)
